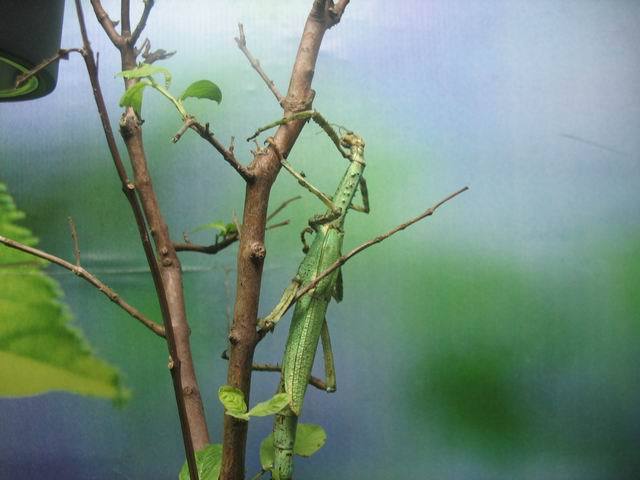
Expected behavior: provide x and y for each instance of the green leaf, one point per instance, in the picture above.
(146, 70)
(220, 226)
(309, 439)
(39, 350)
(203, 89)
(269, 407)
(233, 401)
(208, 461)
(132, 97)
(267, 453)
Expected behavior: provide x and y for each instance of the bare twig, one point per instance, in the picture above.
(255, 63)
(336, 11)
(275, 367)
(148, 5)
(151, 57)
(187, 246)
(90, 278)
(108, 25)
(62, 54)
(227, 153)
(343, 259)
(265, 166)
(281, 207)
(185, 126)
(171, 300)
(74, 238)
(125, 19)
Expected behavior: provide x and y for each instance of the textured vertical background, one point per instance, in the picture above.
(497, 340)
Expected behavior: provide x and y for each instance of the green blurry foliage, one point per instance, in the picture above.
(39, 350)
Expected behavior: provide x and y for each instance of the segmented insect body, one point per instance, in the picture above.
(310, 310)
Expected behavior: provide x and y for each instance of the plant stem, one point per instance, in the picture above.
(251, 252)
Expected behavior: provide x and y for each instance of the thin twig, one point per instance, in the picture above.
(220, 245)
(62, 54)
(108, 25)
(275, 367)
(231, 238)
(227, 153)
(74, 238)
(92, 279)
(195, 410)
(336, 11)
(185, 126)
(255, 63)
(343, 259)
(148, 5)
(281, 207)
(151, 57)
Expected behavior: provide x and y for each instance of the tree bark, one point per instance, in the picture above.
(265, 166)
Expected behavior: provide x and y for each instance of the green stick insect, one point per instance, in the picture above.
(309, 323)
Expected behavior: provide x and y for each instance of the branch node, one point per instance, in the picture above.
(257, 251)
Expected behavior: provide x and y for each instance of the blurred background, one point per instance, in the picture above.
(496, 340)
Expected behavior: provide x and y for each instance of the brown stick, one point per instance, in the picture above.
(166, 274)
(234, 237)
(89, 277)
(343, 259)
(62, 54)
(251, 252)
(275, 367)
(255, 63)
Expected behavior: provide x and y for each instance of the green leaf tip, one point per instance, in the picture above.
(233, 401)
(40, 351)
(269, 407)
(132, 97)
(147, 70)
(224, 229)
(208, 461)
(203, 89)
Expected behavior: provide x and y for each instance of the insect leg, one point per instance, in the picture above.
(304, 115)
(269, 322)
(329, 366)
(364, 191)
(305, 245)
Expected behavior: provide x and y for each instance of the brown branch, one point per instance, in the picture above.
(125, 19)
(149, 56)
(275, 367)
(243, 336)
(166, 274)
(90, 278)
(255, 63)
(148, 5)
(227, 153)
(336, 11)
(281, 207)
(108, 25)
(232, 238)
(62, 54)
